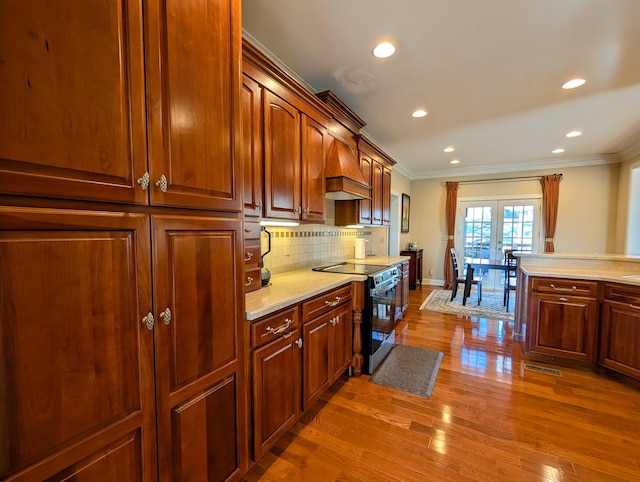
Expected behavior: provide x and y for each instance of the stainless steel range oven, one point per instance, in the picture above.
(378, 317)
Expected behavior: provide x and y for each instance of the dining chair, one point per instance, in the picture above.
(511, 275)
(457, 279)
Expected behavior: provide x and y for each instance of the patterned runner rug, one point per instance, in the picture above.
(490, 307)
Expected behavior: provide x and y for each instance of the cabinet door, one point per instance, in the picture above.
(564, 326)
(376, 193)
(316, 375)
(621, 337)
(281, 158)
(340, 343)
(276, 390)
(193, 85)
(386, 196)
(77, 360)
(199, 333)
(313, 187)
(72, 97)
(366, 204)
(252, 146)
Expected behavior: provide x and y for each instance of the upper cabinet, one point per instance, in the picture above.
(285, 143)
(75, 121)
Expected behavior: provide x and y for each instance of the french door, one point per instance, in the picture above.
(486, 228)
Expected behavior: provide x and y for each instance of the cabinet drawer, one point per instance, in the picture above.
(325, 302)
(272, 326)
(624, 293)
(251, 253)
(567, 287)
(252, 279)
(251, 230)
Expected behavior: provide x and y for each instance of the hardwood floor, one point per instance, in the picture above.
(488, 418)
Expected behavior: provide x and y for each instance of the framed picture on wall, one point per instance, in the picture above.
(404, 224)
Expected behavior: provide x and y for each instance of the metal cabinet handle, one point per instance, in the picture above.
(299, 342)
(148, 321)
(248, 256)
(162, 183)
(334, 321)
(247, 230)
(333, 303)
(249, 281)
(562, 298)
(166, 316)
(634, 306)
(306, 210)
(281, 328)
(144, 181)
(553, 287)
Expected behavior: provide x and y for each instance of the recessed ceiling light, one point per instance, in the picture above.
(384, 50)
(448, 149)
(419, 113)
(558, 150)
(454, 161)
(573, 134)
(573, 83)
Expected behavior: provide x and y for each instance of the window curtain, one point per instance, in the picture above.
(450, 213)
(550, 194)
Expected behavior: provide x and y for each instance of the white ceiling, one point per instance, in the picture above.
(488, 72)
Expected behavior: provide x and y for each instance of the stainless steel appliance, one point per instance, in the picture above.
(378, 317)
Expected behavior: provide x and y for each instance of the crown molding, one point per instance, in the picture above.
(555, 163)
(631, 153)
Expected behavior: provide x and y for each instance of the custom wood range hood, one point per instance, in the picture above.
(342, 172)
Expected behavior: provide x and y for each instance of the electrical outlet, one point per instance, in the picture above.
(431, 273)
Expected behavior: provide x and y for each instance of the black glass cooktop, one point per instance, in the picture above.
(351, 268)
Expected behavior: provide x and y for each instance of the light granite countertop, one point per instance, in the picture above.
(293, 287)
(596, 267)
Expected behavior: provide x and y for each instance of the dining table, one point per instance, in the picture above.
(471, 267)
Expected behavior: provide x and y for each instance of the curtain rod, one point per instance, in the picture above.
(503, 179)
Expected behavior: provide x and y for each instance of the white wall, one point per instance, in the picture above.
(401, 184)
(587, 211)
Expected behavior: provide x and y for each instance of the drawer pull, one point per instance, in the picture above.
(247, 230)
(249, 281)
(634, 306)
(335, 321)
(281, 328)
(562, 298)
(553, 287)
(248, 256)
(333, 303)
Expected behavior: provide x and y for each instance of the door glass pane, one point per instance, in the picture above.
(517, 227)
(477, 233)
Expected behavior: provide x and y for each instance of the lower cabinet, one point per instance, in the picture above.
(121, 346)
(620, 329)
(291, 366)
(563, 320)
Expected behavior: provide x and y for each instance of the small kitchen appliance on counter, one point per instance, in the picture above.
(265, 274)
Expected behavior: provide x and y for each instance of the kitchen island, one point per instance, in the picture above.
(580, 310)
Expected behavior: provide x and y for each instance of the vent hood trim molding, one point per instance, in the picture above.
(342, 172)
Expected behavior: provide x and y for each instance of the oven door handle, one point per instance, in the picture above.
(387, 285)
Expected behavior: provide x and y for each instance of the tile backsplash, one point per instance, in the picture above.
(310, 245)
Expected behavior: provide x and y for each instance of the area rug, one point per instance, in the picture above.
(409, 369)
(490, 307)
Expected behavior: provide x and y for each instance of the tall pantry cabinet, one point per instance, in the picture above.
(121, 306)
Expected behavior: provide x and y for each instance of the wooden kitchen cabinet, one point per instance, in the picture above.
(252, 146)
(294, 156)
(563, 320)
(199, 346)
(276, 381)
(386, 196)
(415, 267)
(620, 329)
(77, 363)
(79, 126)
(326, 336)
